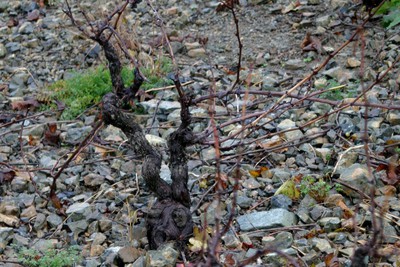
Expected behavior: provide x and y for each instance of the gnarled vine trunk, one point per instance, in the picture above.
(170, 217)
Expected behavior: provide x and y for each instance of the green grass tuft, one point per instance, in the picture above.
(86, 89)
(50, 258)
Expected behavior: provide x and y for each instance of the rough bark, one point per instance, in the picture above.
(170, 218)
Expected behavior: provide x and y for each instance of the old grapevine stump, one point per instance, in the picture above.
(170, 217)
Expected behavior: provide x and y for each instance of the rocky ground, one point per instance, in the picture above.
(103, 193)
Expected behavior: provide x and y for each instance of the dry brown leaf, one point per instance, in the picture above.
(392, 171)
(6, 175)
(257, 172)
(25, 104)
(56, 201)
(331, 260)
(52, 135)
(311, 43)
(32, 140)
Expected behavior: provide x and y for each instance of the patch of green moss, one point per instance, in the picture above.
(86, 89)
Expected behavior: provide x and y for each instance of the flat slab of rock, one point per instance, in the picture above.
(266, 219)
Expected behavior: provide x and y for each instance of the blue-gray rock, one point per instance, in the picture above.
(281, 241)
(75, 135)
(54, 220)
(320, 211)
(13, 47)
(93, 180)
(40, 221)
(92, 263)
(357, 176)
(320, 244)
(6, 234)
(164, 256)
(330, 223)
(128, 254)
(78, 211)
(19, 185)
(390, 234)
(303, 215)
(230, 240)
(77, 227)
(280, 201)
(26, 28)
(244, 201)
(266, 219)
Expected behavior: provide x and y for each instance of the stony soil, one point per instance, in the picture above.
(103, 194)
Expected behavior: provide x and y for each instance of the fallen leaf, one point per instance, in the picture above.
(9, 220)
(52, 135)
(257, 173)
(56, 201)
(25, 104)
(31, 140)
(392, 171)
(199, 240)
(311, 43)
(331, 260)
(6, 175)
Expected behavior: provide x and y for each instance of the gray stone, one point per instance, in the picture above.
(92, 263)
(320, 244)
(323, 21)
(164, 106)
(280, 241)
(28, 213)
(280, 201)
(6, 234)
(393, 118)
(303, 215)
(353, 62)
(4, 6)
(105, 225)
(78, 211)
(35, 130)
(26, 28)
(251, 183)
(230, 240)
(75, 135)
(320, 211)
(266, 219)
(128, 254)
(93, 180)
(19, 80)
(390, 234)
(270, 82)
(330, 223)
(357, 176)
(294, 64)
(311, 258)
(208, 154)
(43, 245)
(164, 256)
(280, 175)
(98, 238)
(54, 220)
(13, 47)
(77, 227)
(19, 185)
(209, 212)
(286, 124)
(244, 201)
(40, 222)
(3, 51)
